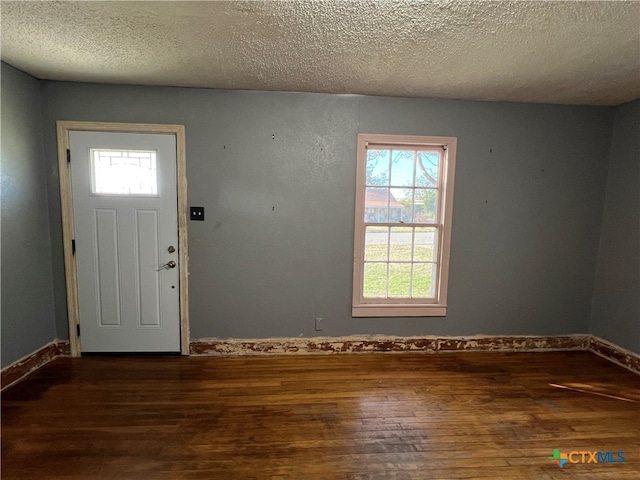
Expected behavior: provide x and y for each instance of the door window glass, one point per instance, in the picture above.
(124, 172)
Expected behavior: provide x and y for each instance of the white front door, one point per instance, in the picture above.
(126, 241)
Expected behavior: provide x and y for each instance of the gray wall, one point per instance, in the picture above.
(276, 174)
(615, 314)
(27, 291)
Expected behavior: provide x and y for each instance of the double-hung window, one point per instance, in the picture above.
(404, 202)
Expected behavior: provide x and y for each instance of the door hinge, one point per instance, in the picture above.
(73, 246)
(68, 156)
(78, 329)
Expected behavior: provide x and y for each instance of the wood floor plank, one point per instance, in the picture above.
(343, 417)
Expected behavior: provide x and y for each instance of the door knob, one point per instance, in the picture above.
(170, 264)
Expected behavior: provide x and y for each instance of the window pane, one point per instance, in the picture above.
(378, 167)
(402, 165)
(425, 204)
(399, 280)
(400, 244)
(123, 172)
(375, 280)
(425, 245)
(423, 285)
(427, 167)
(400, 205)
(376, 205)
(376, 244)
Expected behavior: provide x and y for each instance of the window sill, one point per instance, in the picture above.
(387, 310)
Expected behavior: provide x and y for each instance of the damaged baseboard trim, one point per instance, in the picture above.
(21, 368)
(357, 344)
(381, 344)
(614, 353)
(385, 344)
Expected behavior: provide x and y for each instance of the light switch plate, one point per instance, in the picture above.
(196, 213)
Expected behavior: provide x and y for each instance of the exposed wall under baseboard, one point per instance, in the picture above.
(355, 344)
(23, 367)
(374, 344)
(614, 353)
(381, 344)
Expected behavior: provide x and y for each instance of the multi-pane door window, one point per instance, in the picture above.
(403, 225)
(123, 172)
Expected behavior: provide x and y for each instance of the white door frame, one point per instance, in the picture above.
(66, 200)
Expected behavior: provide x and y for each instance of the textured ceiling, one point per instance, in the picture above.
(571, 52)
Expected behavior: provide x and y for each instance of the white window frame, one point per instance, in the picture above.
(405, 307)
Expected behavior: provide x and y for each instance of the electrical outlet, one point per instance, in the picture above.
(319, 324)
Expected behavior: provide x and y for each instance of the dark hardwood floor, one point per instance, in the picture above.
(349, 417)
